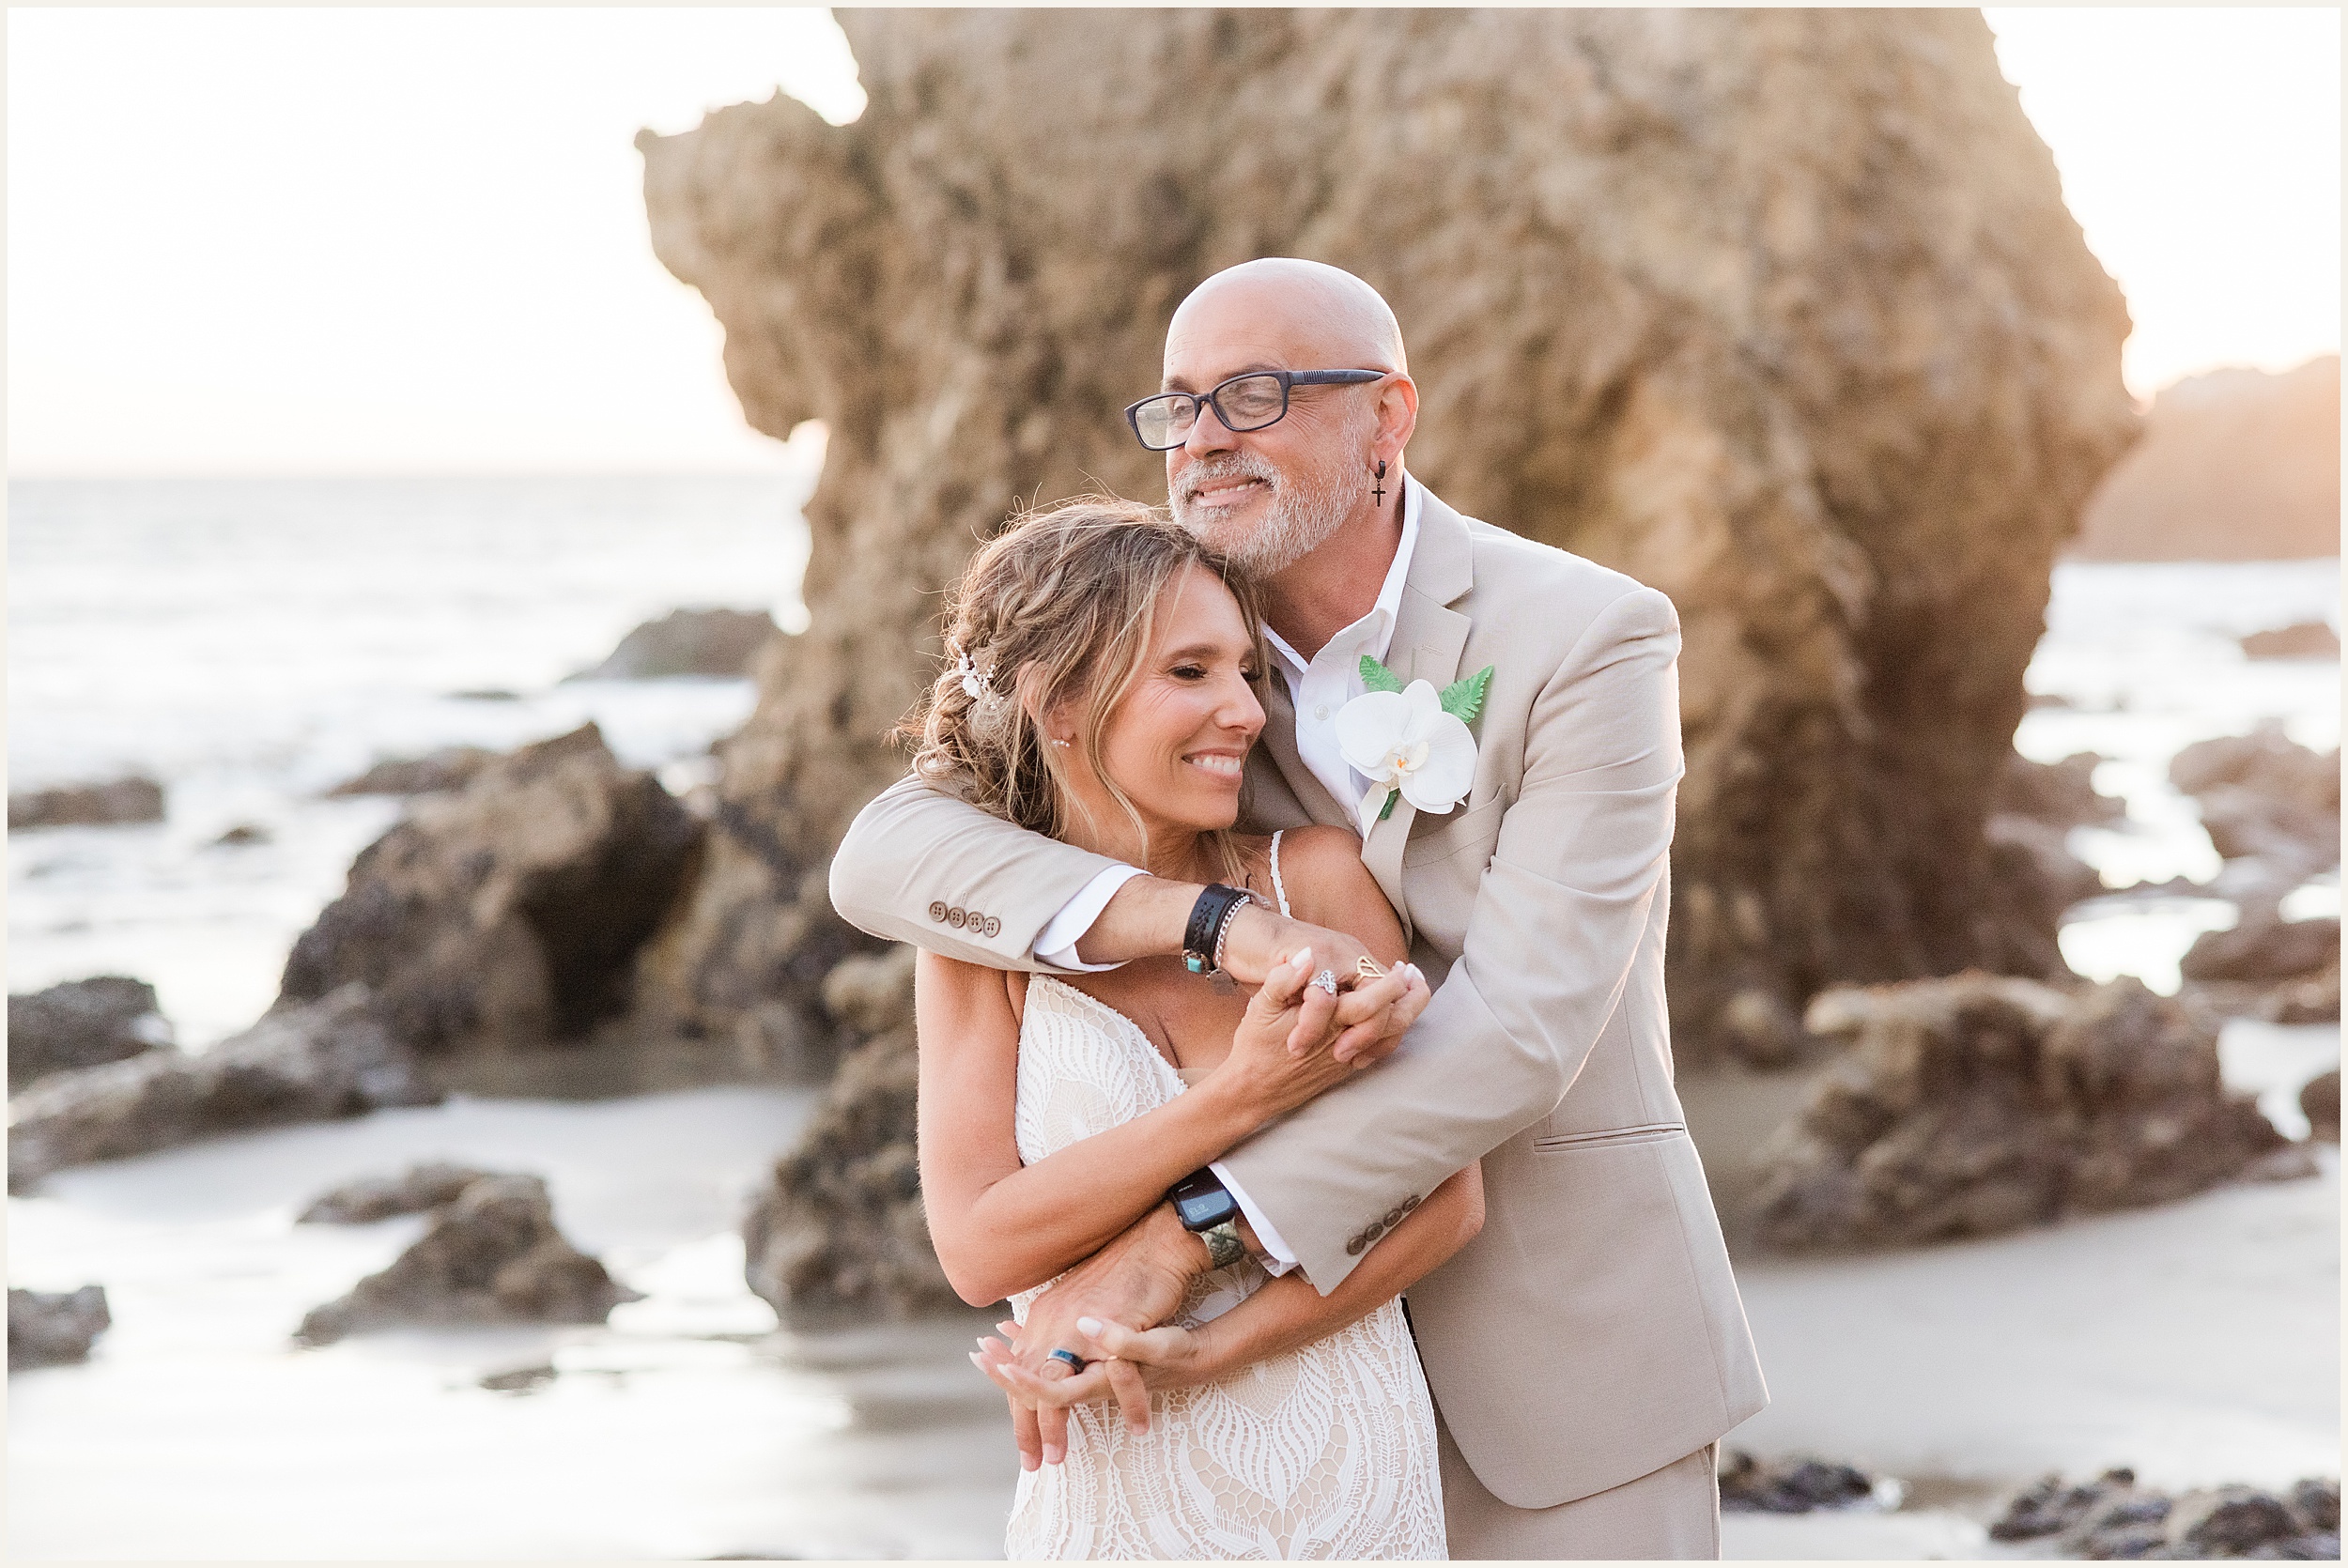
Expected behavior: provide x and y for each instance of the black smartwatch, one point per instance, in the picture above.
(1209, 1212)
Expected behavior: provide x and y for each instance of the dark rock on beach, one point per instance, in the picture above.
(310, 1062)
(2308, 639)
(840, 1231)
(688, 642)
(2113, 1520)
(2051, 1506)
(2263, 946)
(107, 1017)
(51, 1328)
(1977, 1104)
(2039, 859)
(1750, 1486)
(242, 834)
(2267, 967)
(451, 767)
(371, 1198)
(108, 805)
(2264, 796)
(2061, 794)
(1828, 363)
(2319, 1099)
(493, 1256)
(507, 913)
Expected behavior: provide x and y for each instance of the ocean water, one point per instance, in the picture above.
(251, 643)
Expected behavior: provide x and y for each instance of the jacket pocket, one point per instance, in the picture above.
(1478, 826)
(1610, 1137)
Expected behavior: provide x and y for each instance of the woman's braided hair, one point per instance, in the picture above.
(1058, 606)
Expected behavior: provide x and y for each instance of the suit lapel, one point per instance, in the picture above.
(1279, 741)
(1429, 638)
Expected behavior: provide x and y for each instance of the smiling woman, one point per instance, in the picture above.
(398, 240)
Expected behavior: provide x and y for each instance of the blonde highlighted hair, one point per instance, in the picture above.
(1061, 605)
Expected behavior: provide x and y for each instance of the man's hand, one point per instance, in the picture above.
(1139, 1279)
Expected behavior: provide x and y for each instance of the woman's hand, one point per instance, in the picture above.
(1124, 1364)
(1269, 1070)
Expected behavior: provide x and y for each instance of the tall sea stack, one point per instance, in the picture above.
(1780, 310)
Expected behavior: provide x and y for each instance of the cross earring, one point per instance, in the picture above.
(1378, 491)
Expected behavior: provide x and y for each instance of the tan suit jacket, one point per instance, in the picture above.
(1592, 1332)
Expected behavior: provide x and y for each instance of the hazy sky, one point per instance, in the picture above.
(376, 240)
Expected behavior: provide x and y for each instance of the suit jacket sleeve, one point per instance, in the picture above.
(919, 855)
(1558, 917)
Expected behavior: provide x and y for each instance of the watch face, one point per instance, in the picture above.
(1205, 1209)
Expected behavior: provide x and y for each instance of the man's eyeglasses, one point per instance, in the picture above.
(1246, 402)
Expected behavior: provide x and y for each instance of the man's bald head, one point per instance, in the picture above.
(1322, 312)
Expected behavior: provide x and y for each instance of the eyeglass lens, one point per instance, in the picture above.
(1243, 403)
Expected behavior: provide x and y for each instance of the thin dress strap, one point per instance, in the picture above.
(1276, 887)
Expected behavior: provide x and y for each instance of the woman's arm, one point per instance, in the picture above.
(1283, 1315)
(1000, 1227)
(1289, 1313)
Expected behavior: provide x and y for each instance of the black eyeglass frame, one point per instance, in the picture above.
(1288, 379)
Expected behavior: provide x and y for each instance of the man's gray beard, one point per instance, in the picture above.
(1307, 507)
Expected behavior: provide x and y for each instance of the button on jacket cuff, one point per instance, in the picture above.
(1055, 943)
(1278, 1256)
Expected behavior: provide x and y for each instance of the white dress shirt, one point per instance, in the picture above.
(1317, 688)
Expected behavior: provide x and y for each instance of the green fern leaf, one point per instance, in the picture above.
(1464, 699)
(1377, 677)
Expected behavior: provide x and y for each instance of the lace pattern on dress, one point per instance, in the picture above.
(1325, 1454)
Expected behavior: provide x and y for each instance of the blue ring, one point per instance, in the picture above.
(1075, 1362)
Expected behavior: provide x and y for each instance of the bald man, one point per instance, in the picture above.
(1587, 1349)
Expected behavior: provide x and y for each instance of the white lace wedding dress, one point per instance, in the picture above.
(1325, 1454)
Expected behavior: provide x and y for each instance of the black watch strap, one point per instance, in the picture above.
(1207, 916)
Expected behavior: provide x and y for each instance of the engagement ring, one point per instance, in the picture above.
(1326, 980)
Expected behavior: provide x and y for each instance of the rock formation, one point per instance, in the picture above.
(451, 767)
(2265, 800)
(840, 1231)
(308, 1062)
(48, 1329)
(2112, 1518)
(2319, 1100)
(1978, 1104)
(2263, 946)
(414, 1191)
(2236, 465)
(493, 1256)
(1750, 1486)
(2306, 639)
(81, 1024)
(1778, 310)
(688, 642)
(108, 805)
(506, 914)
(2030, 823)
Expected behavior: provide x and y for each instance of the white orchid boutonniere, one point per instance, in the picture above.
(1411, 741)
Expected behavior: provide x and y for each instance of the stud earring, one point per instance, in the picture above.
(1057, 742)
(1377, 492)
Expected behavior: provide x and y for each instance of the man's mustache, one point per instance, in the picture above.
(1219, 471)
